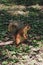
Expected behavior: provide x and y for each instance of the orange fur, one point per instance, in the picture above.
(21, 34)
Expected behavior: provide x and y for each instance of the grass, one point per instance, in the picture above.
(34, 19)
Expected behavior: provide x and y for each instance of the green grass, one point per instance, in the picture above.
(34, 19)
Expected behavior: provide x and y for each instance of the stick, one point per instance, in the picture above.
(6, 43)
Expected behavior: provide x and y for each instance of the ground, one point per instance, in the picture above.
(24, 54)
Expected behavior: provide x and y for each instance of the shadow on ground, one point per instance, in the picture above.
(21, 2)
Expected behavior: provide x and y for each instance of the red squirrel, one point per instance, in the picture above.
(20, 34)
